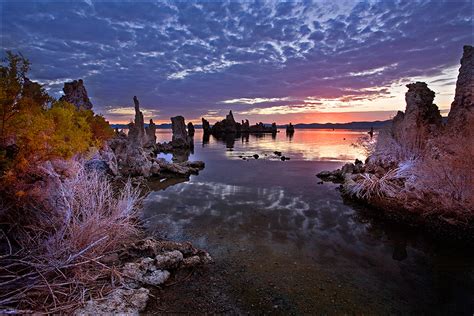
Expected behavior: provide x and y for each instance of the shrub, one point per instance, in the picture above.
(61, 242)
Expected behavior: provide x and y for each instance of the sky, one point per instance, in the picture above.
(269, 61)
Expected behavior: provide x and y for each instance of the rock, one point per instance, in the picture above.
(206, 128)
(191, 129)
(75, 93)
(255, 156)
(348, 168)
(261, 128)
(180, 138)
(122, 301)
(145, 271)
(461, 114)
(278, 153)
(155, 168)
(181, 168)
(97, 165)
(136, 129)
(332, 176)
(169, 260)
(274, 128)
(420, 121)
(226, 126)
(150, 133)
(290, 129)
(245, 126)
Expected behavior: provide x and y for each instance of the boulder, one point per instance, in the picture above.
(75, 93)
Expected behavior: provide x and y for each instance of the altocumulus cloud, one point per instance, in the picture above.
(198, 58)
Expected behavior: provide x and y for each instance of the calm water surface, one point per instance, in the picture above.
(293, 245)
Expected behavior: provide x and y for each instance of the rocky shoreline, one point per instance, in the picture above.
(145, 264)
(418, 172)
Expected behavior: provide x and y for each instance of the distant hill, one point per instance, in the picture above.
(351, 125)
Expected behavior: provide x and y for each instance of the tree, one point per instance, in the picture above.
(16, 93)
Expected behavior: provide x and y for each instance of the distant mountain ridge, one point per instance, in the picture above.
(351, 125)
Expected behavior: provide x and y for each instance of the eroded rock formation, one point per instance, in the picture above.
(290, 129)
(421, 119)
(461, 115)
(181, 139)
(226, 126)
(206, 128)
(75, 93)
(191, 129)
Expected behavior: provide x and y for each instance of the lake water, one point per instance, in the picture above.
(284, 243)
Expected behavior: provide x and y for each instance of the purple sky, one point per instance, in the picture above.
(267, 61)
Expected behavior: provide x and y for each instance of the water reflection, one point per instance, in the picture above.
(264, 213)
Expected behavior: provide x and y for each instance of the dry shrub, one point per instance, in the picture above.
(366, 143)
(53, 261)
(369, 185)
(446, 176)
(437, 181)
(388, 152)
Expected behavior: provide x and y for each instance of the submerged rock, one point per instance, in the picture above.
(75, 93)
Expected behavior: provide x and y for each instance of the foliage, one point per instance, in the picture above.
(39, 127)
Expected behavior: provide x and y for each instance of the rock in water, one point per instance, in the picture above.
(461, 115)
(180, 138)
(206, 128)
(290, 129)
(226, 126)
(420, 121)
(75, 93)
(191, 129)
(150, 133)
(245, 127)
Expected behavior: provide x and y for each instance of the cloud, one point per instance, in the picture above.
(191, 57)
(254, 100)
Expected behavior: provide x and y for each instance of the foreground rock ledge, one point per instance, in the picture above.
(148, 262)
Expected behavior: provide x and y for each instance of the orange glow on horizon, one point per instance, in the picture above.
(281, 119)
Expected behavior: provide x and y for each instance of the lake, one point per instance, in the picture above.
(283, 243)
